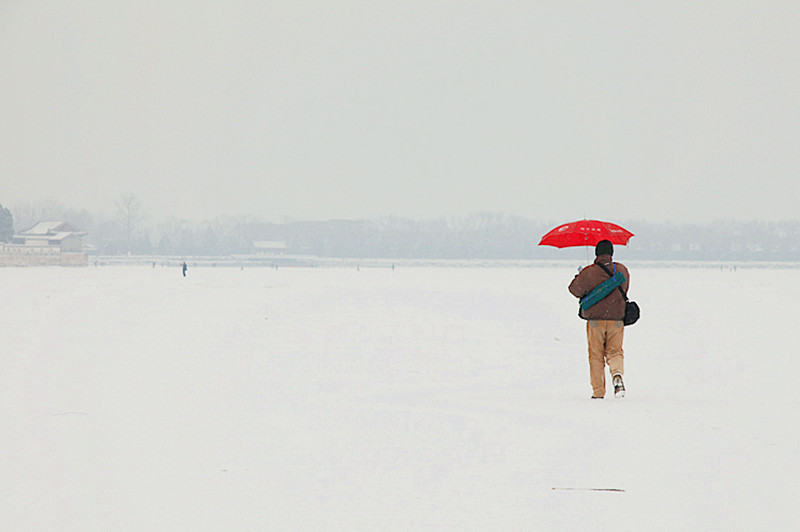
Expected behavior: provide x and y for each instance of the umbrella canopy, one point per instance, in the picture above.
(585, 233)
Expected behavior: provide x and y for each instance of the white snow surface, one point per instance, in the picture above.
(132, 398)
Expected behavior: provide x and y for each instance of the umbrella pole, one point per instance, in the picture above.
(586, 243)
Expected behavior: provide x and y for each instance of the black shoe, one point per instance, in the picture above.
(619, 387)
(595, 397)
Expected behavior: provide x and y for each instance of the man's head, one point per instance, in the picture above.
(604, 247)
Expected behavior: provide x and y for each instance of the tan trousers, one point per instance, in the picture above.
(605, 347)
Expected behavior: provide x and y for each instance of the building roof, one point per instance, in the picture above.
(53, 236)
(51, 228)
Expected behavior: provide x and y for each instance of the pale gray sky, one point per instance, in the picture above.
(553, 110)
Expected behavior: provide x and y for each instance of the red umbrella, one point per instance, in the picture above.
(585, 233)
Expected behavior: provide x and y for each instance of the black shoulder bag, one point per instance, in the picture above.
(631, 308)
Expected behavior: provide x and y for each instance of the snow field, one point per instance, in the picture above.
(421, 398)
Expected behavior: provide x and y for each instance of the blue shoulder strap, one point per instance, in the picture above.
(602, 290)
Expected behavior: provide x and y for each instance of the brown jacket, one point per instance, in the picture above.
(612, 307)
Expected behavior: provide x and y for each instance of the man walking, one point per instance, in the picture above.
(603, 306)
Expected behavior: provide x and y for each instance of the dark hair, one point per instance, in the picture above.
(604, 247)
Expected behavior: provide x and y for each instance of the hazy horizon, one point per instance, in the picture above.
(664, 111)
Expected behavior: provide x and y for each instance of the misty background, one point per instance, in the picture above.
(416, 128)
(478, 235)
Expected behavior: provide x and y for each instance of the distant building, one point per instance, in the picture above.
(269, 247)
(45, 244)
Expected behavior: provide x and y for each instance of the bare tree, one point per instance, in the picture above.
(27, 214)
(130, 217)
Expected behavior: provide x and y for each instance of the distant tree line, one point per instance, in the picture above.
(480, 235)
(476, 236)
(6, 225)
(502, 237)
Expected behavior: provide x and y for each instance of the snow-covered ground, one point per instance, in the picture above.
(132, 398)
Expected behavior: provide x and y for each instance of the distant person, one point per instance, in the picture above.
(604, 310)
(184, 268)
